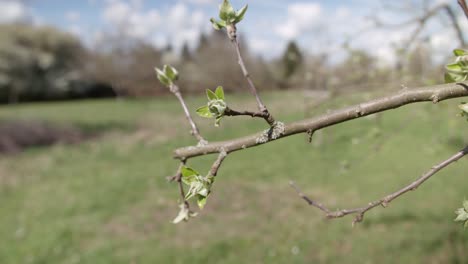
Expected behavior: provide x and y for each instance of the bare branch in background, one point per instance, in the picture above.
(421, 22)
(434, 94)
(385, 200)
(455, 25)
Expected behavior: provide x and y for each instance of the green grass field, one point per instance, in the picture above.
(106, 200)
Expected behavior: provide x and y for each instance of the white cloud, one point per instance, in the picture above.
(265, 47)
(13, 11)
(72, 16)
(316, 27)
(177, 24)
(301, 17)
(202, 2)
(75, 30)
(129, 18)
(326, 30)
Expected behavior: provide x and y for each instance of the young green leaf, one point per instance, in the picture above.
(464, 108)
(220, 92)
(460, 52)
(462, 215)
(211, 96)
(240, 14)
(164, 80)
(201, 201)
(171, 73)
(188, 175)
(455, 77)
(217, 24)
(187, 171)
(448, 78)
(159, 72)
(195, 188)
(205, 190)
(218, 121)
(226, 11)
(204, 111)
(454, 67)
(162, 77)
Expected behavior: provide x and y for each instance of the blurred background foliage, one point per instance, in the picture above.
(43, 63)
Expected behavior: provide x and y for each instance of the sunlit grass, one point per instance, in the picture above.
(107, 200)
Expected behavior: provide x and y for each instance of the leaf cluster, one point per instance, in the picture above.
(215, 107)
(168, 75)
(228, 16)
(462, 214)
(458, 70)
(199, 187)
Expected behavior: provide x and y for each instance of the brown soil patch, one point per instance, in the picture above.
(16, 136)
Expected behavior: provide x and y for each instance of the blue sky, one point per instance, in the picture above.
(318, 26)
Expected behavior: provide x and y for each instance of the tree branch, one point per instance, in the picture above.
(195, 132)
(385, 200)
(434, 93)
(269, 118)
(464, 7)
(231, 112)
(178, 178)
(215, 167)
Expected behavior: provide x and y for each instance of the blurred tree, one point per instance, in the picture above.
(37, 63)
(419, 64)
(358, 68)
(291, 59)
(127, 64)
(186, 55)
(214, 61)
(202, 42)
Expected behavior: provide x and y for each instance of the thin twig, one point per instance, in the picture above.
(455, 24)
(385, 200)
(433, 94)
(195, 132)
(422, 21)
(308, 200)
(215, 167)
(464, 7)
(231, 112)
(253, 90)
(178, 179)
